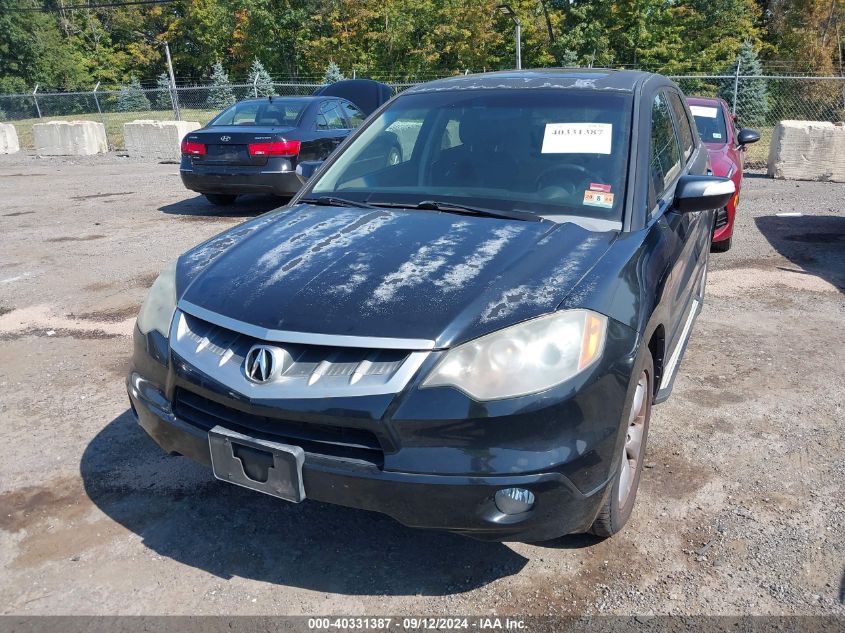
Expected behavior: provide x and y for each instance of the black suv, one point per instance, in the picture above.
(469, 338)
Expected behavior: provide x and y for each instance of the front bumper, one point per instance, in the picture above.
(277, 177)
(461, 504)
(724, 228)
(442, 456)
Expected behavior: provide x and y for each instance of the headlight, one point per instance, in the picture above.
(524, 358)
(160, 304)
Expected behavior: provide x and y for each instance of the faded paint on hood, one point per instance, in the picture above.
(379, 272)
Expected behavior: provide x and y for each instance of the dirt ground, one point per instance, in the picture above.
(741, 508)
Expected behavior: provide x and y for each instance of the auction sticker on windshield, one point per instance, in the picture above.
(577, 138)
(704, 111)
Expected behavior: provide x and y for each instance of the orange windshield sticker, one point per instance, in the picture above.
(598, 199)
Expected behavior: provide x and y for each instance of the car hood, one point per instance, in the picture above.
(387, 273)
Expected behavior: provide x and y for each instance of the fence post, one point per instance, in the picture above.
(34, 98)
(174, 96)
(97, 100)
(100, 111)
(736, 84)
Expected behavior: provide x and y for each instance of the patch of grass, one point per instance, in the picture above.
(113, 122)
(757, 154)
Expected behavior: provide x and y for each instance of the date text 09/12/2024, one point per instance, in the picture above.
(415, 623)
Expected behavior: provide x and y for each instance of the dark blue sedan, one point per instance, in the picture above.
(468, 338)
(255, 145)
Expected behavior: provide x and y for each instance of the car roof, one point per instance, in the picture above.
(706, 101)
(286, 98)
(554, 78)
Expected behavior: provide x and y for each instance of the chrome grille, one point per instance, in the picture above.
(318, 439)
(315, 370)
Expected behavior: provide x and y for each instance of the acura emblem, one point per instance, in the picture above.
(225, 139)
(260, 363)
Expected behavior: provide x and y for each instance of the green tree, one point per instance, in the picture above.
(713, 32)
(220, 94)
(808, 35)
(277, 32)
(261, 80)
(200, 33)
(332, 74)
(34, 50)
(162, 97)
(568, 58)
(132, 97)
(411, 39)
(752, 95)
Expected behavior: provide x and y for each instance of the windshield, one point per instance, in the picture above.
(551, 153)
(277, 113)
(710, 121)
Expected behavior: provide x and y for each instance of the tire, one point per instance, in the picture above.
(617, 508)
(721, 247)
(220, 199)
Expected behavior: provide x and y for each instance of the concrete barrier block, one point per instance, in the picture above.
(8, 139)
(156, 140)
(69, 138)
(808, 150)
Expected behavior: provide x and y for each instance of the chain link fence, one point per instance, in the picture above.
(761, 101)
(758, 101)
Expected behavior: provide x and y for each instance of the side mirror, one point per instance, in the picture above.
(747, 135)
(700, 193)
(306, 169)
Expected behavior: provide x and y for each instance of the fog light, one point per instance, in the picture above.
(514, 500)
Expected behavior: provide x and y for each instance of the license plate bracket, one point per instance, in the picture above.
(269, 467)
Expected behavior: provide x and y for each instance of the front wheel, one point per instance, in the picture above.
(619, 504)
(220, 199)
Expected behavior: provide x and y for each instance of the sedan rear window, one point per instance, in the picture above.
(552, 153)
(275, 113)
(710, 121)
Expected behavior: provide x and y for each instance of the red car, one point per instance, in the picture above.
(725, 144)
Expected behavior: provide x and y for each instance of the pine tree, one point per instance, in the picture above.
(220, 94)
(568, 59)
(162, 98)
(332, 74)
(132, 97)
(752, 98)
(261, 79)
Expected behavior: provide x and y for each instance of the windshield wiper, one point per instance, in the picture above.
(452, 207)
(331, 201)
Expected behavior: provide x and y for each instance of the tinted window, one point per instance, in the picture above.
(710, 121)
(277, 113)
(681, 118)
(550, 152)
(665, 162)
(330, 117)
(353, 114)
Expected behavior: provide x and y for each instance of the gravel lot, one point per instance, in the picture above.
(741, 508)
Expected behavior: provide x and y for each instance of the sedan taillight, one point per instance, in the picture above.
(190, 148)
(274, 148)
